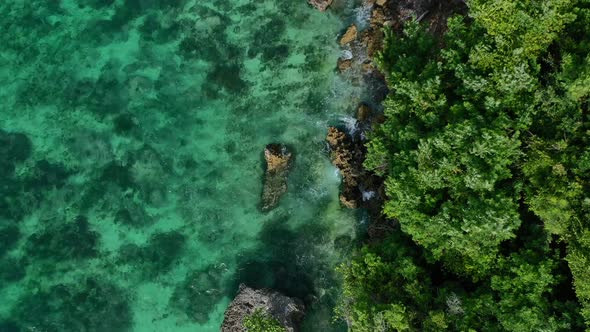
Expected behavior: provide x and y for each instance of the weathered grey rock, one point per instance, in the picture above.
(287, 310)
(278, 161)
(321, 5)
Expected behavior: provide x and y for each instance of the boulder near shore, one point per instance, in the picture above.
(287, 310)
(321, 5)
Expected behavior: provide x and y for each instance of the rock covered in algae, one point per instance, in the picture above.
(321, 5)
(287, 310)
(278, 161)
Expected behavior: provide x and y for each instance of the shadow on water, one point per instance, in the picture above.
(289, 260)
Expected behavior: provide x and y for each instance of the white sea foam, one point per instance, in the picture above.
(362, 15)
(346, 55)
(350, 123)
(368, 195)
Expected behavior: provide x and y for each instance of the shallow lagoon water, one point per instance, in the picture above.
(131, 164)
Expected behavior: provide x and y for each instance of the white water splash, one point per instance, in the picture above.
(364, 220)
(346, 55)
(317, 193)
(367, 195)
(350, 123)
(336, 173)
(362, 15)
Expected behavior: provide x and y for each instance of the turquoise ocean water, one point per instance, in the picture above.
(131, 140)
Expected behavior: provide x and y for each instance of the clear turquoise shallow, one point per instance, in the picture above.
(132, 167)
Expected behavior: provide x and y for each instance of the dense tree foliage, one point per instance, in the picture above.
(260, 321)
(485, 150)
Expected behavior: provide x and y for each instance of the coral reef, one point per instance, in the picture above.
(14, 148)
(156, 257)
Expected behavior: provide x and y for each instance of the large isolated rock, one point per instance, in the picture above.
(287, 310)
(321, 5)
(278, 161)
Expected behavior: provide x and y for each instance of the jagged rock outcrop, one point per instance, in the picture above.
(348, 159)
(344, 64)
(349, 36)
(321, 5)
(360, 188)
(278, 162)
(287, 310)
(363, 113)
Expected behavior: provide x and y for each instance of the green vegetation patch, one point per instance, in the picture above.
(486, 158)
(260, 321)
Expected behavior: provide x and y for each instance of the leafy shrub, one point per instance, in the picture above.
(260, 321)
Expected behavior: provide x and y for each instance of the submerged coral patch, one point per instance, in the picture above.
(199, 293)
(157, 256)
(89, 304)
(46, 174)
(14, 148)
(12, 270)
(66, 240)
(228, 76)
(9, 236)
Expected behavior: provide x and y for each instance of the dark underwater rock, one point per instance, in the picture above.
(11, 270)
(46, 174)
(9, 236)
(287, 310)
(67, 240)
(14, 148)
(278, 161)
(88, 304)
(200, 292)
(321, 5)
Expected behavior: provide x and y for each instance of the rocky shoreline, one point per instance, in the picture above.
(359, 188)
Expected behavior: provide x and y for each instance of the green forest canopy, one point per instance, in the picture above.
(485, 151)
